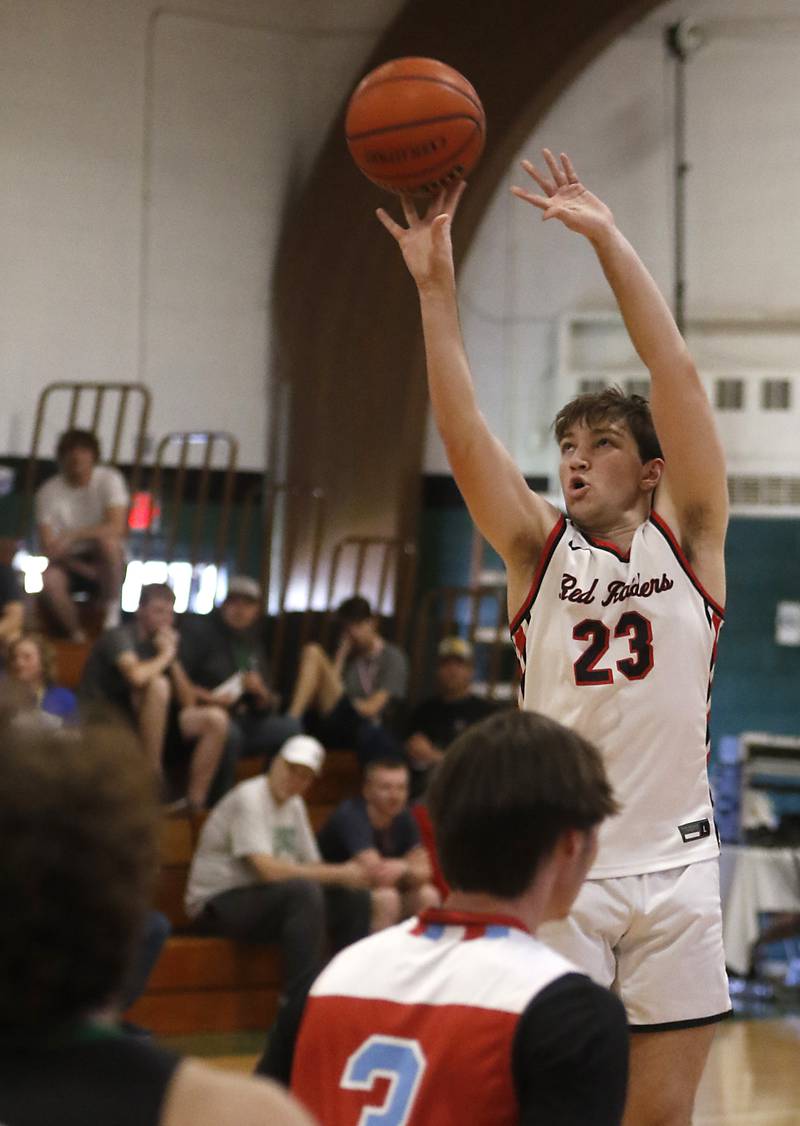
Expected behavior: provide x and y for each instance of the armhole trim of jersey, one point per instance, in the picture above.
(660, 523)
(556, 532)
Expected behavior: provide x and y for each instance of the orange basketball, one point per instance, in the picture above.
(415, 125)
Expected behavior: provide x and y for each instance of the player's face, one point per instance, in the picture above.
(578, 853)
(387, 791)
(602, 475)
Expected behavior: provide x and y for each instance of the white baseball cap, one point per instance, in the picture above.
(244, 587)
(303, 750)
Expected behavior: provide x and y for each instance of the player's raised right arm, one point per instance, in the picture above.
(513, 519)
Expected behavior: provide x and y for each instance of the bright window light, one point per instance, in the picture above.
(196, 588)
(179, 577)
(132, 586)
(32, 568)
(208, 580)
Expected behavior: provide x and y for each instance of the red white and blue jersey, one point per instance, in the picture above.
(621, 647)
(414, 1026)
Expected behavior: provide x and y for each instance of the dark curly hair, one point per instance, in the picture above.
(79, 842)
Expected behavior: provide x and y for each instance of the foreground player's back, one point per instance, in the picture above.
(456, 1018)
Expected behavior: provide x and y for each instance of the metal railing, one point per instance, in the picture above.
(96, 396)
(382, 569)
(277, 573)
(168, 528)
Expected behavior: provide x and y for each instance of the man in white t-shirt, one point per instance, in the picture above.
(257, 876)
(81, 517)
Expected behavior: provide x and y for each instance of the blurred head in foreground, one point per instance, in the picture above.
(515, 793)
(78, 837)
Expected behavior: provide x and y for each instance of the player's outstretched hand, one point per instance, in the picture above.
(566, 198)
(425, 242)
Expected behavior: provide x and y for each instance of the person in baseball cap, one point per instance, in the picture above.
(303, 750)
(436, 721)
(242, 586)
(455, 648)
(228, 663)
(257, 876)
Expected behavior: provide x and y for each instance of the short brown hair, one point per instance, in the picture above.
(76, 439)
(505, 792)
(612, 405)
(354, 610)
(385, 762)
(78, 837)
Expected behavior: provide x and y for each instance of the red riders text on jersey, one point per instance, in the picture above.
(621, 647)
(455, 1019)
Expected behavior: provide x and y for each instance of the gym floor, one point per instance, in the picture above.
(752, 1077)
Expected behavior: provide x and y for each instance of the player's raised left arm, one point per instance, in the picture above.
(683, 417)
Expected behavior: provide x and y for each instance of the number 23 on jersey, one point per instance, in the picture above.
(593, 665)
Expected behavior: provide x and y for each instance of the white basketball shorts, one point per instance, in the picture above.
(655, 940)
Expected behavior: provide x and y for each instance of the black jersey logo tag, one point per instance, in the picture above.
(695, 830)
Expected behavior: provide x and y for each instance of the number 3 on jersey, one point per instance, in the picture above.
(386, 1057)
(637, 629)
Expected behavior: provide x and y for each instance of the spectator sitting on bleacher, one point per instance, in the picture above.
(224, 656)
(12, 608)
(437, 721)
(356, 696)
(79, 840)
(257, 876)
(135, 670)
(31, 668)
(81, 515)
(378, 832)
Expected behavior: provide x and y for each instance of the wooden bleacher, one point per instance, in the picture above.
(205, 984)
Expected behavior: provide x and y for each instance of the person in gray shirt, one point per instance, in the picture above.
(355, 698)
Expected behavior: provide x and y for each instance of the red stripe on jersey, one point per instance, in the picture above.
(550, 543)
(664, 527)
(443, 917)
(467, 1076)
(608, 545)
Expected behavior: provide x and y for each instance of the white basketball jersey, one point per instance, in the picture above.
(621, 647)
(432, 1005)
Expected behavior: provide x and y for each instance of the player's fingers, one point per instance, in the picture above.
(394, 229)
(556, 171)
(437, 205)
(572, 175)
(546, 185)
(540, 201)
(453, 196)
(409, 209)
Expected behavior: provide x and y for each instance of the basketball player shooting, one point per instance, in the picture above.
(615, 611)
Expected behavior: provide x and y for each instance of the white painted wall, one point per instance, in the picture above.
(522, 280)
(145, 153)
(146, 150)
